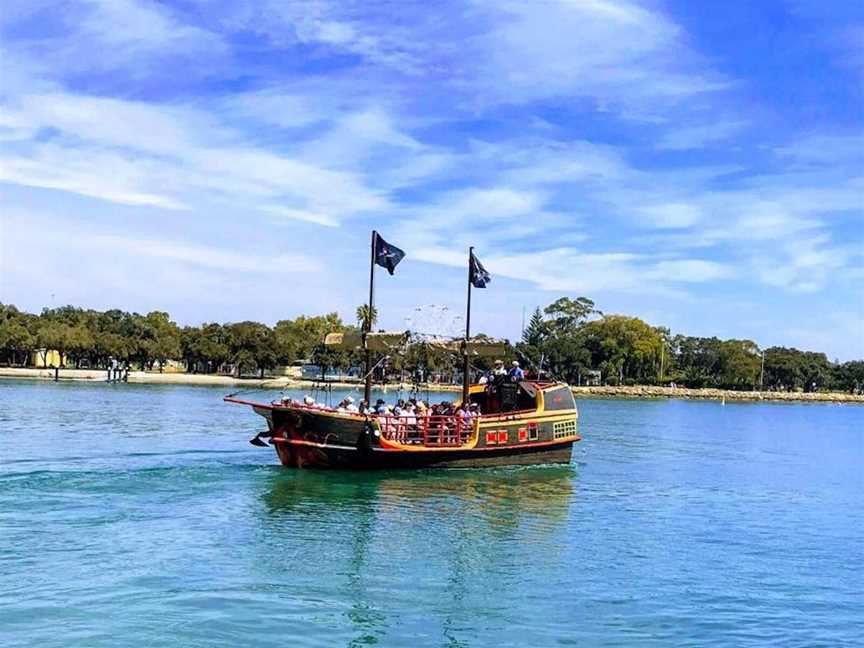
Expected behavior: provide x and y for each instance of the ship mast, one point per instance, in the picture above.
(367, 323)
(466, 364)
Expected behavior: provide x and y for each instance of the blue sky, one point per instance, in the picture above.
(698, 164)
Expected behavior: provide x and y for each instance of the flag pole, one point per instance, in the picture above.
(367, 325)
(466, 366)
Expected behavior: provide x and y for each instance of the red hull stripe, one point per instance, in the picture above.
(441, 449)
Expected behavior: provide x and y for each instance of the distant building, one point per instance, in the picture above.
(313, 372)
(593, 378)
(42, 359)
(292, 371)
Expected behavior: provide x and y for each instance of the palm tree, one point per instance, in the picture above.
(363, 320)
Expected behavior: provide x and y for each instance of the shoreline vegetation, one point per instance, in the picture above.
(286, 382)
(569, 340)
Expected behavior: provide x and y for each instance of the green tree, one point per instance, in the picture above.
(165, 338)
(533, 349)
(695, 361)
(53, 336)
(16, 342)
(740, 364)
(252, 346)
(107, 346)
(553, 343)
(364, 321)
(849, 376)
(79, 343)
(790, 369)
(296, 339)
(566, 315)
(626, 349)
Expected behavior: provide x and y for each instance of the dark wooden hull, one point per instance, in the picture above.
(307, 437)
(303, 456)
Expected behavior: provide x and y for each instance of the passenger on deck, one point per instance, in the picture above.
(499, 369)
(409, 414)
(346, 405)
(380, 406)
(308, 401)
(363, 408)
(464, 413)
(516, 374)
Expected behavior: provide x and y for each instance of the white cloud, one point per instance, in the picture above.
(154, 129)
(89, 172)
(616, 51)
(200, 255)
(332, 25)
(277, 107)
(671, 215)
(166, 156)
(689, 270)
(135, 27)
(139, 37)
(694, 137)
(820, 149)
(805, 264)
(284, 213)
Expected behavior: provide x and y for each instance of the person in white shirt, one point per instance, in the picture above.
(346, 405)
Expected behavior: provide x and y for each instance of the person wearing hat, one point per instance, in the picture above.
(499, 369)
(516, 374)
(347, 405)
(350, 406)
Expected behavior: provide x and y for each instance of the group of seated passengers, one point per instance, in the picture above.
(415, 407)
(415, 421)
(410, 409)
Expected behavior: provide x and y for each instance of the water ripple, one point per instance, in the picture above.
(136, 515)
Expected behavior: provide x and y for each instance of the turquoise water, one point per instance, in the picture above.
(140, 516)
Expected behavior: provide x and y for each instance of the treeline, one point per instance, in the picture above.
(93, 339)
(569, 340)
(572, 340)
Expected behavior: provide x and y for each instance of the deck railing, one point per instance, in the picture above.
(429, 431)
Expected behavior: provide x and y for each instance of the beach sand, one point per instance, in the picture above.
(647, 391)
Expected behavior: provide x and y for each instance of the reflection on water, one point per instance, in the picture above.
(501, 495)
(464, 520)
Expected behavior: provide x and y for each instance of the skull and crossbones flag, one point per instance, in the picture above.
(387, 255)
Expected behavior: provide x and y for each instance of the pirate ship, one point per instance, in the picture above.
(520, 421)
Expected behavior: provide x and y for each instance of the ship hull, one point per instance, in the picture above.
(327, 456)
(305, 437)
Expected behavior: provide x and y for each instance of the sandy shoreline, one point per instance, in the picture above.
(155, 378)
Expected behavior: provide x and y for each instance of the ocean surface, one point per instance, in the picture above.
(140, 516)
